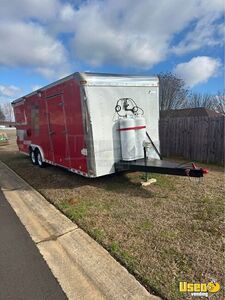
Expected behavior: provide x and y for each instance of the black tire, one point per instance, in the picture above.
(33, 157)
(40, 161)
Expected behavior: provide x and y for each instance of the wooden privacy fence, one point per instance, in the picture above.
(193, 138)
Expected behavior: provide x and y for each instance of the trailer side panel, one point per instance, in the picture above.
(51, 120)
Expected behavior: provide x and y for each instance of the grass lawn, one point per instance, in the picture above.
(168, 232)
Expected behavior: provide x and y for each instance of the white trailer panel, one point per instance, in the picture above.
(102, 95)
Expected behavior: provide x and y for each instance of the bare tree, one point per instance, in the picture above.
(201, 100)
(8, 111)
(215, 102)
(220, 97)
(172, 92)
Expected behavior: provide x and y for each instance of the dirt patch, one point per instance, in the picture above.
(168, 232)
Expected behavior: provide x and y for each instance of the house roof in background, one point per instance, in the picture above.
(189, 112)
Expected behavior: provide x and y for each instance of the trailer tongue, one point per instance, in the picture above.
(160, 166)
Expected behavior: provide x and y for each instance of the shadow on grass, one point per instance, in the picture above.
(53, 177)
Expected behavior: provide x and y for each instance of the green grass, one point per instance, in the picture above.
(146, 225)
(123, 256)
(75, 213)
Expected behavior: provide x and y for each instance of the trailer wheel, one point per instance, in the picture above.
(40, 161)
(33, 157)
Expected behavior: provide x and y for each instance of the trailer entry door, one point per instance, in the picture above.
(57, 130)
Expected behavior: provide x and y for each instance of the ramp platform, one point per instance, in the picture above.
(160, 166)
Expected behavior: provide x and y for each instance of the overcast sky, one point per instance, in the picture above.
(41, 41)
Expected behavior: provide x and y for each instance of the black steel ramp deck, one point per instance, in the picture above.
(159, 166)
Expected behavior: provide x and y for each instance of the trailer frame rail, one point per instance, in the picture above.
(161, 167)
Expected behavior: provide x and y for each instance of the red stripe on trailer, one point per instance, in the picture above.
(132, 128)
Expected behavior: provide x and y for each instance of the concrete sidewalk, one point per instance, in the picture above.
(84, 269)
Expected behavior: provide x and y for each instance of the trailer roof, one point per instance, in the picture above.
(101, 79)
(117, 79)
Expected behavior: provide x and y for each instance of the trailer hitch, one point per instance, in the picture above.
(194, 167)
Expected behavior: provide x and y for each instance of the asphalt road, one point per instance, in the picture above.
(24, 275)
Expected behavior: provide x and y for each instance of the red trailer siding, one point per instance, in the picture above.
(51, 120)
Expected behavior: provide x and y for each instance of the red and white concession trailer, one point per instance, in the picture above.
(94, 125)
